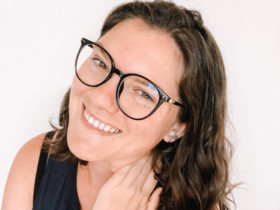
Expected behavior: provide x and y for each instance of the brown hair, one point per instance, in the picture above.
(194, 169)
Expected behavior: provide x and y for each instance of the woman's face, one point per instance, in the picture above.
(135, 48)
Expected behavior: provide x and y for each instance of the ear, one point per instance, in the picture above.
(176, 132)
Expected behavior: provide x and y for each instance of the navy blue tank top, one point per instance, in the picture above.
(55, 184)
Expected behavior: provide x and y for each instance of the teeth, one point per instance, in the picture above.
(100, 125)
(107, 128)
(90, 120)
(87, 116)
(95, 123)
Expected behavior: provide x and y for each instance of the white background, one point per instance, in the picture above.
(39, 41)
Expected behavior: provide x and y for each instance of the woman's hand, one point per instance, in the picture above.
(130, 188)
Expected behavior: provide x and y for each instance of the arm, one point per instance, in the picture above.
(19, 188)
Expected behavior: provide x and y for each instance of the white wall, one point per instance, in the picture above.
(39, 41)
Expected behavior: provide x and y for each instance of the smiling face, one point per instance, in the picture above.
(135, 48)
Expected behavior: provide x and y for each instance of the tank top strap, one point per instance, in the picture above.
(41, 165)
(57, 185)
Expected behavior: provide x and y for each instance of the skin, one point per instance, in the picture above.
(18, 193)
(119, 164)
(135, 48)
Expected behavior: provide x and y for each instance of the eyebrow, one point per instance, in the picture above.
(150, 85)
(98, 42)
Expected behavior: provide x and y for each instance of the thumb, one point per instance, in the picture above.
(154, 199)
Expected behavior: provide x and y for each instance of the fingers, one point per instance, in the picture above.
(128, 174)
(154, 199)
(137, 172)
(145, 182)
(143, 175)
(149, 184)
(137, 182)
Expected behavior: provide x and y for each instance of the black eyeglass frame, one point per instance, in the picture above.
(163, 97)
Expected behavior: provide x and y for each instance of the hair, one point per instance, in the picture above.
(194, 171)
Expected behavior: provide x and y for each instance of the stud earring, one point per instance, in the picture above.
(172, 136)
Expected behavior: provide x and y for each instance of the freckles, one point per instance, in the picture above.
(77, 86)
(77, 92)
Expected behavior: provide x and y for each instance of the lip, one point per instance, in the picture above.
(100, 132)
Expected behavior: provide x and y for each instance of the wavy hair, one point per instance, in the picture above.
(194, 171)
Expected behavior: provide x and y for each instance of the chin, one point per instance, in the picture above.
(76, 146)
(82, 148)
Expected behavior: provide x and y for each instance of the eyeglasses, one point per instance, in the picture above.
(137, 96)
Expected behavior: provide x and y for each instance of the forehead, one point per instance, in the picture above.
(137, 48)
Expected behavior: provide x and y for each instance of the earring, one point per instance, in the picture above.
(172, 136)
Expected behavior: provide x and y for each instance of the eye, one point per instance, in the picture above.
(145, 95)
(100, 63)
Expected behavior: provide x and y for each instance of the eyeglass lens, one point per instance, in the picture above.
(137, 97)
(93, 65)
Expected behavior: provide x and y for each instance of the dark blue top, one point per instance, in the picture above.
(57, 189)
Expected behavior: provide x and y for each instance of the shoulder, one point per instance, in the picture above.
(18, 192)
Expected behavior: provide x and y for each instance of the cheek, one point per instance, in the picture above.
(77, 90)
(148, 133)
(80, 146)
(73, 135)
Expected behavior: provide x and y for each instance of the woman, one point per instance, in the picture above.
(143, 125)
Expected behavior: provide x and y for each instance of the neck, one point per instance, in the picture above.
(90, 179)
(95, 174)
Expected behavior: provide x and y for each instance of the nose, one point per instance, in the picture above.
(104, 96)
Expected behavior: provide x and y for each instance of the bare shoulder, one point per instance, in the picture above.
(18, 192)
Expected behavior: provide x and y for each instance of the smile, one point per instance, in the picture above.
(99, 124)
